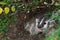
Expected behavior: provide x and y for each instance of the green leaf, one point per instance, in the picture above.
(4, 38)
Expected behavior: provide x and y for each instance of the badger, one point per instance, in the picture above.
(38, 25)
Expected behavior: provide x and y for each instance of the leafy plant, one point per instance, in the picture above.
(5, 21)
(5, 16)
(35, 2)
(5, 38)
(55, 33)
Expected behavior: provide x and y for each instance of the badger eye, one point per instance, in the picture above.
(44, 23)
(38, 22)
(40, 32)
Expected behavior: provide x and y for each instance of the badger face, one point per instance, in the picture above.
(37, 25)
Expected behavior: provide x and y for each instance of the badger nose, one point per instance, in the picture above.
(39, 26)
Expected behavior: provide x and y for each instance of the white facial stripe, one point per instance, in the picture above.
(41, 21)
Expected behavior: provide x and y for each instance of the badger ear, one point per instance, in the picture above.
(52, 22)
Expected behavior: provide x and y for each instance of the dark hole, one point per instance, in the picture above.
(1, 0)
(40, 32)
(44, 23)
(38, 10)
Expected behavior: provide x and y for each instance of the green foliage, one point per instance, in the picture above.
(55, 33)
(5, 21)
(5, 38)
(57, 5)
(6, 1)
(55, 16)
(48, 14)
(35, 2)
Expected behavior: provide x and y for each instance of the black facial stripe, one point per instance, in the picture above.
(42, 24)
